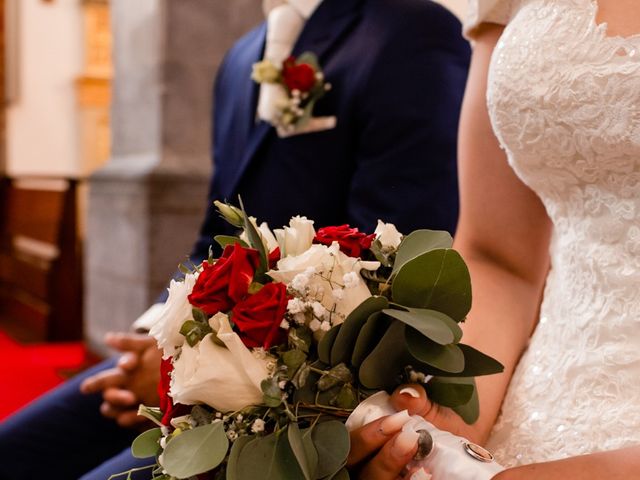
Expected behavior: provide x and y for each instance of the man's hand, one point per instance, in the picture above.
(134, 380)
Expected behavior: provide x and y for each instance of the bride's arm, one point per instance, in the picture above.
(616, 465)
(503, 235)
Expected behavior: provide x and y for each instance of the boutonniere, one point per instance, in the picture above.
(289, 93)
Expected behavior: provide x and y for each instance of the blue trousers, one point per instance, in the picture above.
(63, 436)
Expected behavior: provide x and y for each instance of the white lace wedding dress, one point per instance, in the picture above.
(564, 99)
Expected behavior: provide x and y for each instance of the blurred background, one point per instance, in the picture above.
(104, 166)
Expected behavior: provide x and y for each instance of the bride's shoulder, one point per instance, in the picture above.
(487, 11)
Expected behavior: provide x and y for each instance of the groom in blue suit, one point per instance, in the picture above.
(397, 70)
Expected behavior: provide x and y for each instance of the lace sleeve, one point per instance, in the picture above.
(486, 11)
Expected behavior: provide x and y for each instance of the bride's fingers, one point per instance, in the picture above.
(411, 397)
(392, 458)
(368, 439)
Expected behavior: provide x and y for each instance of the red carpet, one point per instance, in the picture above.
(27, 371)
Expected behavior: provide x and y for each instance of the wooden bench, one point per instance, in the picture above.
(40, 260)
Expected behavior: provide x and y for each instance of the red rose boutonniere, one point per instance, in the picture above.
(298, 84)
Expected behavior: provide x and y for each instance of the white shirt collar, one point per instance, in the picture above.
(305, 7)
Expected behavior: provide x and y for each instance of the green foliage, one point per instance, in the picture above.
(443, 357)
(194, 331)
(341, 349)
(255, 240)
(331, 440)
(434, 325)
(146, 444)
(196, 451)
(419, 242)
(234, 455)
(450, 392)
(382, 367)
(369, 336)
(326, 344)
(304, 451)
(470, 411)
(301, 338)
(225, 240)
(436, 280)
(268, 457)
(271, 393)
(337, 376)
(293, 359)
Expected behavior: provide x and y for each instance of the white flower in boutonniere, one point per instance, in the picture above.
(289, 93)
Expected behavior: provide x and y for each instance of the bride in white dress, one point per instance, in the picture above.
(550, 228)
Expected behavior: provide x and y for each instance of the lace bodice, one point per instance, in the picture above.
(564, 100)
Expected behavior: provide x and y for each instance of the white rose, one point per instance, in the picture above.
(296, 238)
(177, 310)
(331, 266)
(268, 240)
(388, 234)
(227, 379)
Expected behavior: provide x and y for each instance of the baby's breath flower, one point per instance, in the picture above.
(257, 426)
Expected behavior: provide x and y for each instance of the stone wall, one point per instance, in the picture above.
(146, 205)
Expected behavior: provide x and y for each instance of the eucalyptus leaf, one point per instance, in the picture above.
(478, 364)
(225, 240)
(234, 455)
(450, 392)
(347, 399)
(443, 357)
(436, 280)
(381, 255)
(326, 344)
(272, 395)
(268, 457)
(432, 324)
(382, 367)
(471, 410)
(147, 444)
(301, 338)
(338, 375)
(340, 475)
(195, 451)
(331, 440)
(304, 451)
(419, 242)
(345, 340)
(369, 336)
(293, 359)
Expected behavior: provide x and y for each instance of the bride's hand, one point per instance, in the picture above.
(413, 398)
(380, 450)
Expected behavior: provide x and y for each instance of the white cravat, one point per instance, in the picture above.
(285, 21)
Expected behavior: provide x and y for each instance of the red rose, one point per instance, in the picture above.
(258, 318)
(298, 76)
(221, 285)
(351, 240)
(169, 410)
(166, 402)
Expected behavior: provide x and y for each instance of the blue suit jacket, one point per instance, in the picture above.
(398, 70)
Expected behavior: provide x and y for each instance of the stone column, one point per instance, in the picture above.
(146, 204)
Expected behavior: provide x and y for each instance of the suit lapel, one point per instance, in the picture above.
(322, 31)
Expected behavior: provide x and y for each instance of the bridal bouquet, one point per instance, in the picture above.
(268, 349)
